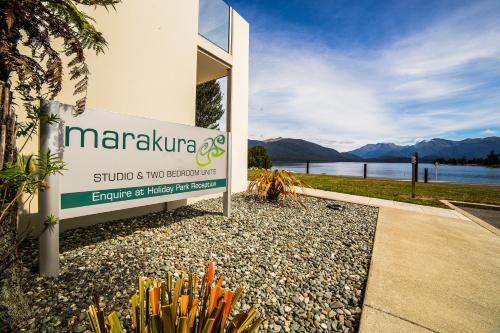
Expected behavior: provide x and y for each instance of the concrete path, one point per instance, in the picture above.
(384, 203)
(432, 270)
(432, 273)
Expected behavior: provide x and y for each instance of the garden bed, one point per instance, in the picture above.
(306, 270)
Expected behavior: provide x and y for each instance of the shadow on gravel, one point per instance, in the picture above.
(80, 237)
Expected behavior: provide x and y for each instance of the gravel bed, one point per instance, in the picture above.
(306, 270)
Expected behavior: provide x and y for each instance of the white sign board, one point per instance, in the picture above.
(115, 161)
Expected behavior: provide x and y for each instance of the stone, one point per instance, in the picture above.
(301, 268)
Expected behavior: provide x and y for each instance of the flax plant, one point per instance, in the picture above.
(277, 185)
(185, 307)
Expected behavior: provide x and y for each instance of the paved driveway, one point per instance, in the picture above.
(432, 274)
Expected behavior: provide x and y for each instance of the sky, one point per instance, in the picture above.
(347, 73)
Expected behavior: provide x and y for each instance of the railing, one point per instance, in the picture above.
(214, 23)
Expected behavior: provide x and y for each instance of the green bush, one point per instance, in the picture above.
(258, 158)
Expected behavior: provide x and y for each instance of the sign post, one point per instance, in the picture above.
(413, 175)
(48, 200)
(226, 196)
(115, 161)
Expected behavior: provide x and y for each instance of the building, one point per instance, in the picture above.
(158, 52)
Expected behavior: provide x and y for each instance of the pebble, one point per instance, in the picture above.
(303, 268)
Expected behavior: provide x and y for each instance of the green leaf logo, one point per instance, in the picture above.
(210, 149)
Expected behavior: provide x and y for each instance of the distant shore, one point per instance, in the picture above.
(390, 161)
(427, 194)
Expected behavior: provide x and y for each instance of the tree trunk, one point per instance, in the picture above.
(8, 154)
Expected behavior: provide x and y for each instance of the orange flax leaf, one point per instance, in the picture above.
(218, 293)
(169, 287)
(212, 299)
(175, 298)
(210, 272)
(163, 293)
(154, 299)
(236, 296)
(227, 299)
(134, 300)
(218, 288)
(221, 280)
(184, 305)
(208, 325)
(192, 313)
(166, 319)
(183, 325)
(218, 315)
(142, 313)
(195, 281)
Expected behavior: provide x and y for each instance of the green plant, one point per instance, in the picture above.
(36, 37)
(28, 31)
(28, 175)
(258, 158)
(187, 306)
(51, 219)
(21, 176)
(276, 185)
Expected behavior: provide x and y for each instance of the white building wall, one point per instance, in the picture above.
(239, 102)
(150, 69)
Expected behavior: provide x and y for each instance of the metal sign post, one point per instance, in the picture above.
(416, 166)
(48, 200)
(226, 196)
(413, 175)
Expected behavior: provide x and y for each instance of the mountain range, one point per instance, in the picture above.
(284, 149)
(435, 148)
(297, 150)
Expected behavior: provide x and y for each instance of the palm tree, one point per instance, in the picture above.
(31, 65)
(35, 24)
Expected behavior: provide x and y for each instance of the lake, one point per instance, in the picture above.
(449, 173)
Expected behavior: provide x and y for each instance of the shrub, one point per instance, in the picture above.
(187, 307)
(258, 158)
(276, 185)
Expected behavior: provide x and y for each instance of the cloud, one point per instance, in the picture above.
(488, 132)
(432, 83)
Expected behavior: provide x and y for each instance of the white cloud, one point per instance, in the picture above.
(427, 89)
(304, 89)
(488, 132)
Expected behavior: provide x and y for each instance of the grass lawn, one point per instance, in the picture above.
(427, 194)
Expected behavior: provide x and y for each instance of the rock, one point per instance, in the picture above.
(303, 269)
(337, 305)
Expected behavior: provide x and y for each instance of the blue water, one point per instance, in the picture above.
(449, 173)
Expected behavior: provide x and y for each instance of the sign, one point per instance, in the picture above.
(115, 161)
